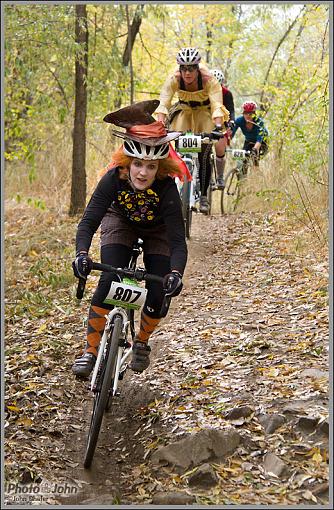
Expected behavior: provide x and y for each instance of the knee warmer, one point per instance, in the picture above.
(220, 163)
(159, 265)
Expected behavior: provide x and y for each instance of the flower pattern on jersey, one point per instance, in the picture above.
(139, 206)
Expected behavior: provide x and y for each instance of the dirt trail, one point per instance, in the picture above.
(251, 319)
(119, 448)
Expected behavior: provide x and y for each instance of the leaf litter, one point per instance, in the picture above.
(251, 318)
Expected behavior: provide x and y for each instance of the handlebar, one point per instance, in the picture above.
(239, 151)
(214, 135)
(138, 274)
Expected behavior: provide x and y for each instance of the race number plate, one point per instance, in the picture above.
(126, 295)
(238, 154)
(189, 143)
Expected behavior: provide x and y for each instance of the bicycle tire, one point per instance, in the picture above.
(130, 314)
(209, 196)
(222, 201)
(186, 209)
(215, 200)
(231, 193)
(245, 167)
(213, 184)
(101, 397)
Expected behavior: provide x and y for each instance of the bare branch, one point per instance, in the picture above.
(152, 57)
(280, 42)
(61, 88)
(312, 226)
(98, 149)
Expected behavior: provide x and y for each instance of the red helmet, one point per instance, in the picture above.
(249, 107)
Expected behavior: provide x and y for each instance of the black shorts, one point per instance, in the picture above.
(116, 229)
(263, 149)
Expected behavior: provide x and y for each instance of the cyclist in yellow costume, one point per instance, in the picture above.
(199, 109)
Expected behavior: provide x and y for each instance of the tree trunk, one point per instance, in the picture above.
(130, 53)
(127, 54)
(134, 29)
(209, 42)
(78, 189)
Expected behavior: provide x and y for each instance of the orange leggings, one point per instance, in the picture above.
(97, 321)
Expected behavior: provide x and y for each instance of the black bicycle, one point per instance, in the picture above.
(116, 342)
(230, 197)
(214, 192)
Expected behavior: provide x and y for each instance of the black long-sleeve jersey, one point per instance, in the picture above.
(158, 205)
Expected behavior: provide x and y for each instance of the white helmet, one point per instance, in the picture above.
(188, 56)
(217, 73)
(141, 151)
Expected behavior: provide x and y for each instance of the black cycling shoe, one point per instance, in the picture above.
(220, 183)
(140, 356)
(84, 365)
(203, 205)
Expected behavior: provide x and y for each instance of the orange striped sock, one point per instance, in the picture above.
(147, 326)
(96, 323)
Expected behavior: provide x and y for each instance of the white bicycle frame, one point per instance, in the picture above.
(121, 359)
(193, 165)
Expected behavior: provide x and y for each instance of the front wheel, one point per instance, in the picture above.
(101, 397)
(231, 193)
(215, 200)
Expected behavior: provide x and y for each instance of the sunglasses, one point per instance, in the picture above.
(188, 68)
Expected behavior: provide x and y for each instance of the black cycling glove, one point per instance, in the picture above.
(173, 283)
(82, 265)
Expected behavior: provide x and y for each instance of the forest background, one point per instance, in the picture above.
(275, 54)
